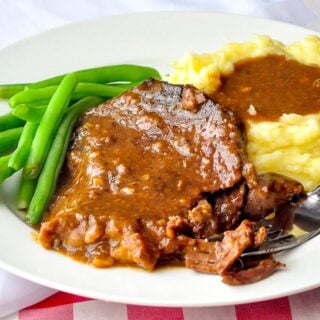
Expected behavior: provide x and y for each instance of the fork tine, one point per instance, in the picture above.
(274, 232)
(279, 237)
(275, 246)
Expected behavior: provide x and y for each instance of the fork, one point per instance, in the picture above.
(305, 214)
(281, 243)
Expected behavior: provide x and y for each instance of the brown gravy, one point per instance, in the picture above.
(273, 85)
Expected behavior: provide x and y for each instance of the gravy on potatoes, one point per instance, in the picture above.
(264, 88)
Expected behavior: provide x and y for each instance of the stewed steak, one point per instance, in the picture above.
(141, 176)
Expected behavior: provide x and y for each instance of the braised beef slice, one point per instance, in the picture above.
(138, 173)
(259, 271)
(271, 192)
(227, 206)
(233, 244)
(217, 257)
(201, 220)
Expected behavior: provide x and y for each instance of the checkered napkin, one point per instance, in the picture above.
(63, 306)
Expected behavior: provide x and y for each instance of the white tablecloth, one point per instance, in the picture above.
(22, 18)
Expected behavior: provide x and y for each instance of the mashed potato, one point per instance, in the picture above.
(289, 146)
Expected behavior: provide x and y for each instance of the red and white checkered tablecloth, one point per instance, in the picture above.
(63, 306)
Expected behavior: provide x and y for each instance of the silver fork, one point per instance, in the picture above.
(305, 214)
(284, 242)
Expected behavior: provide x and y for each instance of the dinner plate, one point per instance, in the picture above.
(153, 39)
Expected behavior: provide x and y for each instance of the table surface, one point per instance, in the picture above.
(22, 18)
(63, 306)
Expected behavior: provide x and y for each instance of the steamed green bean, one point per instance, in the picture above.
(9, 140)
(19, 157)
(9, 121)
(106, 74)
(5, 171)
(29, 113)
(26, 191)
(32, 96)
(48, 125)
(9, 90)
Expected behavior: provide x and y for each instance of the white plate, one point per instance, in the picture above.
(152, 39)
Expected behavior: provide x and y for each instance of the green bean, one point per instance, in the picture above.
(19, 157)
(5, 171)
(9, 121)
(26, 191)
(39, 103)
(50, 172)
(82, 90)
(9, 90)
(48, 125)
(4, 159)
(29, 113)
(9, 140)
(32, 96)
(130, 73)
